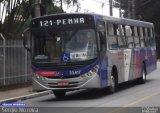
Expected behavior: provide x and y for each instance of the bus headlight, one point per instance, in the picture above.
(95, 69)
(39, 77)
(90, 73)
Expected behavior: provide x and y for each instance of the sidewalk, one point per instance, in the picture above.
(15, 91)
(20, 92)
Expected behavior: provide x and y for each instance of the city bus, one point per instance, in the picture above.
(84, 51)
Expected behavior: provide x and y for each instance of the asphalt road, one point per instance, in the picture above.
(129, 95)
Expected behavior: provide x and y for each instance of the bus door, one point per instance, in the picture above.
(119, 40)
(134, 38)
(128, 66)
(115, 49)
(101, 32)
(128, 52)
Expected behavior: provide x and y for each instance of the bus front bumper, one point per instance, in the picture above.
(40, 83)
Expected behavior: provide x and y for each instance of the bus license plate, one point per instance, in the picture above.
(63, 83)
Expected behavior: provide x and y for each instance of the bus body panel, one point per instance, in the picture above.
(128, 63)
(66, 79)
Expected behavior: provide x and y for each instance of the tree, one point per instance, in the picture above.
(17, 13)
(122, 4)
(147, 10)
(140, 6)
(51, 4)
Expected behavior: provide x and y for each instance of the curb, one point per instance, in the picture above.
(26, 97)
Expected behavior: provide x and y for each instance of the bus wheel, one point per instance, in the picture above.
(112, 86)
(142, 79)
(59, 94)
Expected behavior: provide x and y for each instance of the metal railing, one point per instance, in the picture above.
(14, 62)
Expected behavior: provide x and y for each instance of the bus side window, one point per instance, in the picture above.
(140, 34)
(136, 37)
(121, 36)
(110, 29)
(112, 38)
(153, 36)
(145, 36)
(129, 37)
(150, 34)
(102, 35)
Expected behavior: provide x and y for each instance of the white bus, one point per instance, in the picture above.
(82, 51)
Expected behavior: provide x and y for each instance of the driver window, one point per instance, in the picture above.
(102, 35)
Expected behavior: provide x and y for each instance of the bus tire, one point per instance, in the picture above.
(59, 94)
(112, 87)
(142, 79)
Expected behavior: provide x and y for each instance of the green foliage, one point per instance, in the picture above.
(18, 16)
(15, 17)
(123, 4)
(146, 10)
(53, 9)
(140, 6)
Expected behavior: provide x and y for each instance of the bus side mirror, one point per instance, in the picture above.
(25, 40)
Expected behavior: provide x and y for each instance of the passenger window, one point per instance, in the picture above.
(129, 36)
(151, 30)
(130, 42)
(122, 28)
(115, 29)
(140, 34)
(132, 31)
(112, 37)
(135, 31)
(152, 40)
(136, 41)
(146, 37)
(128, 30)
(121, 42)
(136, 37)
(121, 36)
(110, 29)
(144, 33)
(119, 31)
(113, 44)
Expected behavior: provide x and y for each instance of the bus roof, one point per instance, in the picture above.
(125, 21)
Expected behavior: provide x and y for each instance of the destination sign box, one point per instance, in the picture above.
(62, 20)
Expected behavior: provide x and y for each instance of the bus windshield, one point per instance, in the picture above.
(50, 45)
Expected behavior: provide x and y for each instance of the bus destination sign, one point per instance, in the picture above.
(57, 22)
(53, 21)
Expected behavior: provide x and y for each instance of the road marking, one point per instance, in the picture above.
(133, 103)
(142, 99)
